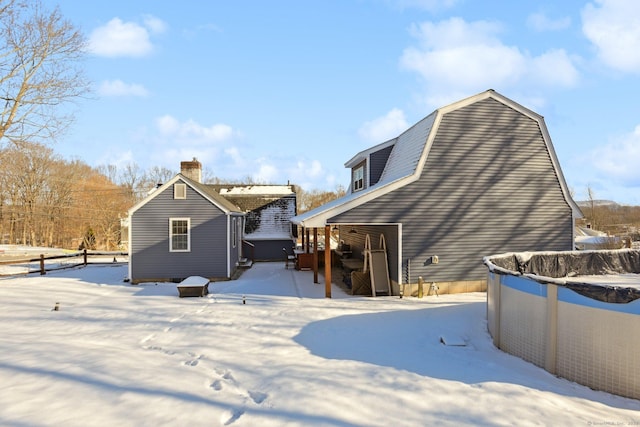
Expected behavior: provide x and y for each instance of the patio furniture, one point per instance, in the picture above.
(288, 258)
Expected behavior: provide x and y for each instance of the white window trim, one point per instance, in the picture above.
(171, 220)
(359, 171)
(179, 191)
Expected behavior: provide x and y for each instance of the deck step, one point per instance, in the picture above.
(245, 263)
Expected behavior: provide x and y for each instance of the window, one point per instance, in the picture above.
(179, 191)
(234, 233)
(179, 234)
(358, 178)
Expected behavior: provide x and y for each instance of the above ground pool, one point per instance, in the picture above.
(575, 314)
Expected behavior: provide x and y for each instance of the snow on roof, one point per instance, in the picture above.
(256, 190)
(583, 231)
(406, 153)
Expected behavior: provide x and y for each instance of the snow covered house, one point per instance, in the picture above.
(590, 239)
(476, 177)
(267, 227)
(187, 228)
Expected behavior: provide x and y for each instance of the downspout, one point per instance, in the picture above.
(129, 246)
(400, 282)
(228, 243)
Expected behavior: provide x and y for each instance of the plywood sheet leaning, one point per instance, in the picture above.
(375, 261)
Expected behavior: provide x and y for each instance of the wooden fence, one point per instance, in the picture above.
(43, 263)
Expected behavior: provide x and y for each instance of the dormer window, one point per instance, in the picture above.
(358, 178)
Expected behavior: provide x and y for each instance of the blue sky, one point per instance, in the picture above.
(290, 90)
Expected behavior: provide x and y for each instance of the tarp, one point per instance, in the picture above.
(546, 266)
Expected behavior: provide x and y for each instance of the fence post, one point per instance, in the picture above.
(42, 272)
(85, 256)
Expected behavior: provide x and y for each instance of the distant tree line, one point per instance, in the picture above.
(612, 218)
(48, 201)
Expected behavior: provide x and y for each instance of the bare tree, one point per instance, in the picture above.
(110, 171)
(40, 53)
(27, 172)
(593, 215)
(308, 200)
(154, 177)
(60, 202)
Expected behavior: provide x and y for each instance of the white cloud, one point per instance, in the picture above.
(311, 174)
(279, 170)
(541, 22)
(618, 160)
(120, 88)
(613, 26)
(267, 173)
(383, 128)
(221, 150)
(118, 38)
(553, 68)
(116, 156)
(171, 129)
(174, 140)
(154, 24)
(308, 174)
(457, 57)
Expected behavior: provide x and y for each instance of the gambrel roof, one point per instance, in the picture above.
(408, 156)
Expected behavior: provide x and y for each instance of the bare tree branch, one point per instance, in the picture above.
(40, 73)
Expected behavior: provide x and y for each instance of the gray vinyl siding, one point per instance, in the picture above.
(150, 255)
(377, 162)
(488, 186)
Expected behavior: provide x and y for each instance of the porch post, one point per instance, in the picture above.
(315, 254)
(327, 261)
(306, 248)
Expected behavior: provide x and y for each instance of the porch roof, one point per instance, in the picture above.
(319, 217)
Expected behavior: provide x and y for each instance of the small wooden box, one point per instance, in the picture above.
(193, 286)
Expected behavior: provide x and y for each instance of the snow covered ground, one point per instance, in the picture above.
(118, 354)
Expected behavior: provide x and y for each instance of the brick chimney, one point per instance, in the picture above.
(192, 169)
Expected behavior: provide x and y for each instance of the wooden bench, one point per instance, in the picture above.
(193, 286)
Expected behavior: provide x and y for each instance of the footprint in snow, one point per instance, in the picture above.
(230, 416)
(192, 362)
(257, 396)
(158, 348)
